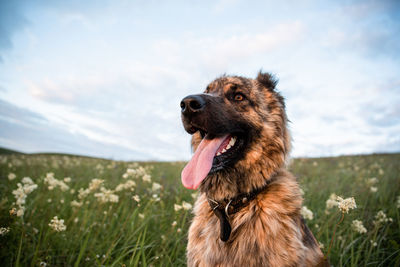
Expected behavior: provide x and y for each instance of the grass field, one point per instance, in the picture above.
(137, 214)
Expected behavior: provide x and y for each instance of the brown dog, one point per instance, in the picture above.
(248, 210)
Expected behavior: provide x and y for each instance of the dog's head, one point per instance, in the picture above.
(238, 126)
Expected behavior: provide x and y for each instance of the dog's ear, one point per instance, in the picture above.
(267, 80)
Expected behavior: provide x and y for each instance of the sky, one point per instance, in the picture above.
(105, 78)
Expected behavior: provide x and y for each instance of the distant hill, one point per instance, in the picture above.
(8, 151)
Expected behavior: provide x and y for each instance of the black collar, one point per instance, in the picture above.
(226, 207)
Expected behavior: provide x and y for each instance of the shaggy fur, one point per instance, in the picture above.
(269, 231)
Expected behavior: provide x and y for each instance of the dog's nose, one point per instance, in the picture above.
(192, 104)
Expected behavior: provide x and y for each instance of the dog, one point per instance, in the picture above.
(248, 209)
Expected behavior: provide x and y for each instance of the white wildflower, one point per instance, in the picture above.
(136, 198)
(346, 204)
(306, 213)
(27, 180)
(178, 230)
(156, 187)
(130, 172)
(22, 192)
(67, 179)
(332, 201)
(107, 195)
(186, 205)
(372, 181)
(136, 172)
(99, 167)
(11, 176)
(156, 197)
(373, 243)
(21, 212)
(381, 218)
(95, 184)
(53, 182)
(4, 230)
(398, 202)
(321, 246)
(174, 223)
(146, 178)
(82, 193)
(57, 224)
(76, 204)
(141, 215)
(177, 207)
(358, 227)
(128, 185)
(373, 189)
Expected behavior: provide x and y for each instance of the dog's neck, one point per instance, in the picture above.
(228, 184)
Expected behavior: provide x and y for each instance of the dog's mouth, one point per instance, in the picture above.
(214, 153)
(228, 152)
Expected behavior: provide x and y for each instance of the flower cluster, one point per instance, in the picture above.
(76, 204)
(4, 230)
(146, 178)
(156, 187)
(185, 206)
(57, 224)
(53, 182)
(93, 186)
(22, 192)
(106, 195)
(137, 172)
(11, 176)
(128, 185)
(358, 227)
(381, 218)
(306, 213)
(136, 198)
(346, 204)
(371, 182)
(331, 202)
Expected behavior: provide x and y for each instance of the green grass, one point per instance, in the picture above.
(142, 234)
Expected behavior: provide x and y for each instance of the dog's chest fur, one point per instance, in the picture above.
(264, 233)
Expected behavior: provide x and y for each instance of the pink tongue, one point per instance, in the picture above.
(200, 164)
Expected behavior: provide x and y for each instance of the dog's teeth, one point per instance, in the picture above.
(233, 140)
(223, 150)
(219, 153)
(228, 146)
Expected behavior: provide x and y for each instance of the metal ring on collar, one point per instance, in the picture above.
(226, 207)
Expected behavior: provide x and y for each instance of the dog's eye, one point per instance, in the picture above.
(238, 97)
